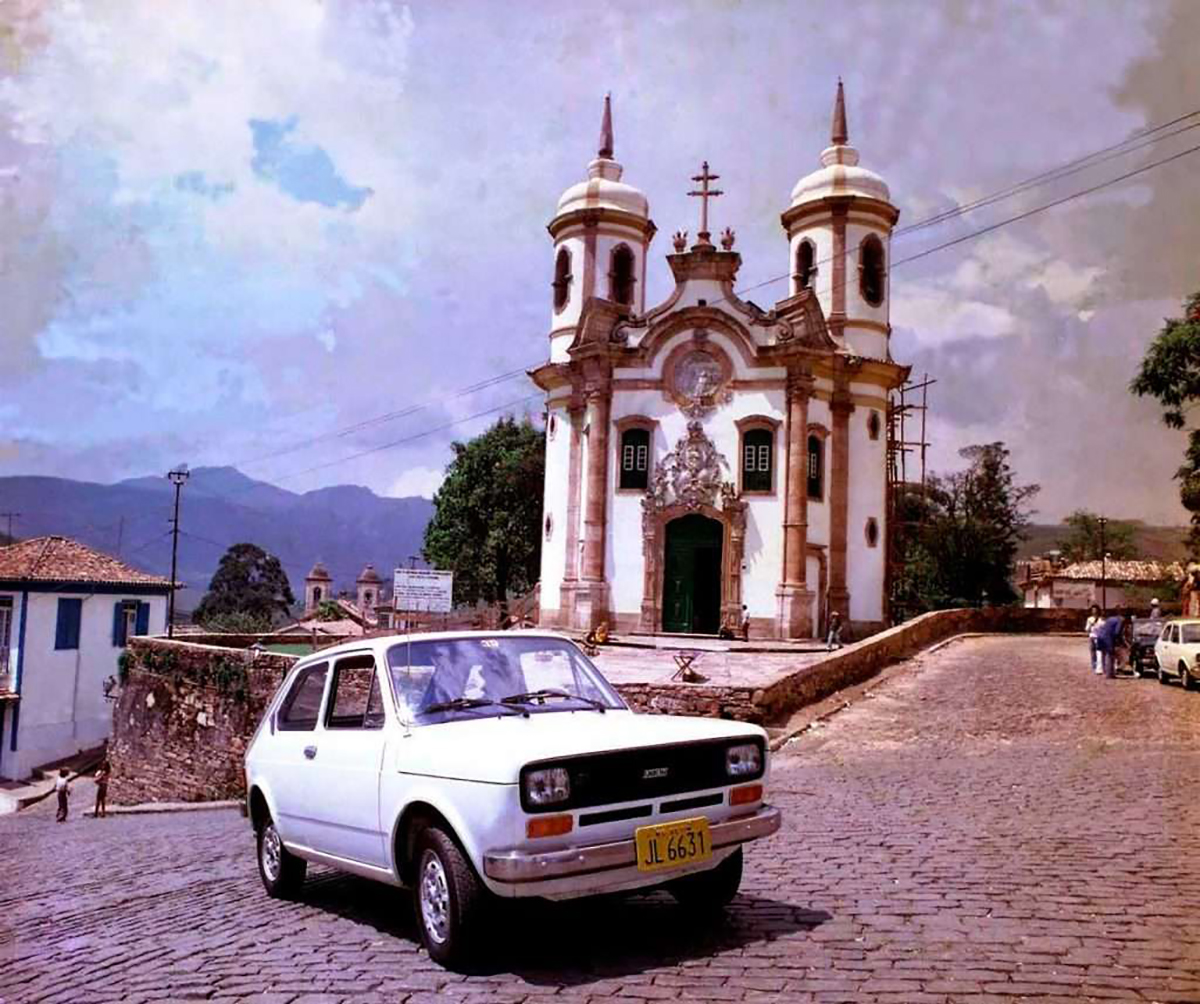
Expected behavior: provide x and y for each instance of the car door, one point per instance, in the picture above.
(1170, 636)
(291, 746)
(343, 773)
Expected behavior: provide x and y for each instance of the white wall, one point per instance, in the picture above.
(868, 497)
(556, 499)
(63, 709)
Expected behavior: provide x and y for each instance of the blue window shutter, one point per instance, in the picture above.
(66, 628)
(119, 624)
(143, 619)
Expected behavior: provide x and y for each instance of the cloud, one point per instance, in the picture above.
(305, 172)
(423, 481)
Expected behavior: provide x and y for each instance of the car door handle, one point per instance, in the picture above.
(310, 752)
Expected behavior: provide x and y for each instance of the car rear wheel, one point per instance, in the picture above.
(448, 899)
(711, 890)
(1185, 678)
(282, 873)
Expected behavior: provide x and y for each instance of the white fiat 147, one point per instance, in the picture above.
(473, 766)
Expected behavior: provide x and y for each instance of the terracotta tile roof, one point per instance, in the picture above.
(60, 559)
(1123, 571)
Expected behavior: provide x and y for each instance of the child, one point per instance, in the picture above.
(834, 638)
(1091, 626)
(102, 773)
(62, 787)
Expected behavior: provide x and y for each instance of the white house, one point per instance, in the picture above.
(66, 611)
(708, 459)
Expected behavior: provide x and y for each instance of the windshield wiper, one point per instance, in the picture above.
(464, 703)
(541, 695)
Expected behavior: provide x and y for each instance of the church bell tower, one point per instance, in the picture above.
(839, 228)
(602, 232)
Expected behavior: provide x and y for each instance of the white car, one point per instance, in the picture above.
(474, 766)
(1177, 652)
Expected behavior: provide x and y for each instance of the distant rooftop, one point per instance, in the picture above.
(61, 559)
(1123, 571)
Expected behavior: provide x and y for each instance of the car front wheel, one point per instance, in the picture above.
(711, 890)
(1162, 673)
(282, 873)
(448, 899)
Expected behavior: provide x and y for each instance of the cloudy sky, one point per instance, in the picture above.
(230, 229)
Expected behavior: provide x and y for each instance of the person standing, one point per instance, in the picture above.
(1109, 636)
(834, 638)
(1090, 627)
(102, 773)
(62, 788)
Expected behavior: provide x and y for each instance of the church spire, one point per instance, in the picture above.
(840, 134)
(606, 132)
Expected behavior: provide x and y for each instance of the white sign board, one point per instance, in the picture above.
(424, 590)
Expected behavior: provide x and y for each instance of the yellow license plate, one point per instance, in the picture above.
(673, 844)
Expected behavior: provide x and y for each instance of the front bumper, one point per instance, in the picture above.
(540, 866)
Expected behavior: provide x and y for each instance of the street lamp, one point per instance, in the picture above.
(177, 477)
(1103, 521)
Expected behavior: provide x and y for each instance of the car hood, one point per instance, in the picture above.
(494, 750)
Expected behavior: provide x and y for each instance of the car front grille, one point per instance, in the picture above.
(650, 772)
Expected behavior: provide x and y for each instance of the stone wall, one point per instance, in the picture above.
(183, 719)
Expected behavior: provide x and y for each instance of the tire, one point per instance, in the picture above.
(449, 901)
(282, 873)
(1162, 673)
(1185, 678)
(713, 890)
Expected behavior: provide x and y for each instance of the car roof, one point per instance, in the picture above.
(379, 643)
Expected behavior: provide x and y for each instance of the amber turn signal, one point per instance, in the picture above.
(548, 826)
(747, 793)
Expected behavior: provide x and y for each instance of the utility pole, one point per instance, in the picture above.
(10, 516)
(177, 477)
(1103, 521)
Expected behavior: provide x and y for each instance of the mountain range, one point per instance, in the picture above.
(344, 526)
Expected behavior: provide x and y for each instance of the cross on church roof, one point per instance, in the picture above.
(705, 193)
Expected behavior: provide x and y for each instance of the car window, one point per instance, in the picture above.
(354, 699)
(302, 705)
(1166, 633)
(1191, 633)
(1174, 634)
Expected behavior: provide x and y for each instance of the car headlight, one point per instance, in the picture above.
(744, 760)
(549, 786)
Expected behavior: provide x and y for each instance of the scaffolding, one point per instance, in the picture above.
(908, 406)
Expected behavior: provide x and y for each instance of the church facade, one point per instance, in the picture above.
(709, 461)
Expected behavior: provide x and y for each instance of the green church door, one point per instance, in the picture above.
(692, 575)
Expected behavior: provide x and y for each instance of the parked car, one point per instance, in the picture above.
(1177, 653)
(1143, 636)
(473, 767)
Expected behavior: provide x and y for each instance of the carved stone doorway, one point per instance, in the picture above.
(692, 573)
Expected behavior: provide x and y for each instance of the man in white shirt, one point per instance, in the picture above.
(62, 788)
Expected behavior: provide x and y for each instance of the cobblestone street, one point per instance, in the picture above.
(993, 823)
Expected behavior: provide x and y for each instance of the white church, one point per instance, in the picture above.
(708, 460)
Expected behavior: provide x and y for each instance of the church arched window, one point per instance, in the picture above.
(871, 270)
(816, 467)
(806, 264)
(562, 279)
(758, 455)
(316, 594)
(635, 459)
(873, 424)
(621, 275)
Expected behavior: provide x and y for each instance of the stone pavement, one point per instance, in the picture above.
(995, 824)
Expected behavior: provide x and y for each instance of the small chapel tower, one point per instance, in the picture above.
(367, 590)
(602, 231)
(839, 228)
(318, 587)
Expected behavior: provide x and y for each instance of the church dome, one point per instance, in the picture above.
(368, 574)
(839, 174)
(604, 188)
(318, 572)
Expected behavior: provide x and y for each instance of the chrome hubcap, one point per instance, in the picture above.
(435, 899)
(272, 852)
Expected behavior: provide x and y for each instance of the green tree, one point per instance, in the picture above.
(1083, 539)
(1170, 373)
(249, 588)
(487, 520)
(964, 532)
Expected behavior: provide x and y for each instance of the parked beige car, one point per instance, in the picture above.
(1177, 653)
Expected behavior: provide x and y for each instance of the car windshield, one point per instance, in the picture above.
(442, 679)
(1191, 634)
